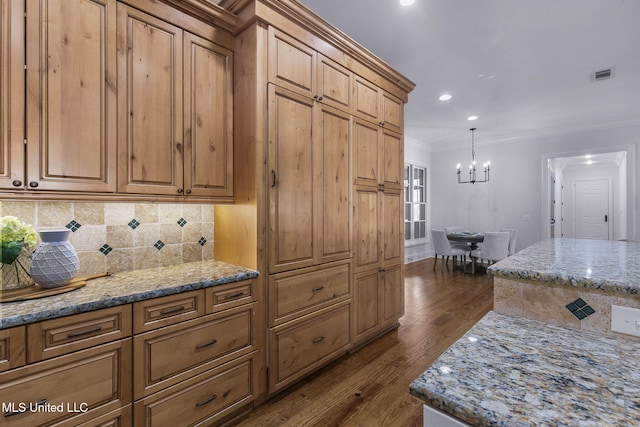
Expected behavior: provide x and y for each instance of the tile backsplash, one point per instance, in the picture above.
(117, 237)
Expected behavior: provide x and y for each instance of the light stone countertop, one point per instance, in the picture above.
(511, 371)
(606, 265)
(124, 288)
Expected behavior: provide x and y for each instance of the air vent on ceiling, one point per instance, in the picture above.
(603, 74)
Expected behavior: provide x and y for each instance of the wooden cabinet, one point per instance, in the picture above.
(378, 156)
(376, 105)
(175, 123)
(300, 68)
(297, 348)
(309, 191)
(65, 82)
(12, 348)
(12, 161)
(86, 384)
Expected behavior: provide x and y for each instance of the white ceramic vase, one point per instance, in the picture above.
(55, 262)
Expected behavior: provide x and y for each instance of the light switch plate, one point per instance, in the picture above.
(625, 320)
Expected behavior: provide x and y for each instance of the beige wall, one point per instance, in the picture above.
(105, 241)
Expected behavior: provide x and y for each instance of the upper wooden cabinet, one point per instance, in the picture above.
(300, 68)
(175, 109)
(378, 156)
(70, 100)
(374, 104)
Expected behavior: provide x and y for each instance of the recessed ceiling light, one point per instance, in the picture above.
(407, 2)
(445, 97)
(472, 118)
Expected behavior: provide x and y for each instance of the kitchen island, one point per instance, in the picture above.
(547, 354)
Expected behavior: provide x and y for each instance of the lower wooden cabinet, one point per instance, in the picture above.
(201, 400)
(12, 348)
(79, 386)
(297, 348)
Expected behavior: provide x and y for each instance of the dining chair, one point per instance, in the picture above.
(457, 245)
(442, 246)
(513, 236)
(494, 248)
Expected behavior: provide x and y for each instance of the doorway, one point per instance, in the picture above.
(586, 196)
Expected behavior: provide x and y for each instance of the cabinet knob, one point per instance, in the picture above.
(34, 184)
(16, 183)
(188, 191)
(180, 190)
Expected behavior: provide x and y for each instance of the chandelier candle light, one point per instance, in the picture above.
(472, 166)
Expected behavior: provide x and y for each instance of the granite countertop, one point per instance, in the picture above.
(511, 371)
(124, 288)
(598, 264)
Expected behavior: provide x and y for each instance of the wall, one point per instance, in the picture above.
(418, 153)
(514, 197)
(117, 237)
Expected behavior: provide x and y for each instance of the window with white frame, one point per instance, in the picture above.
(415, 202)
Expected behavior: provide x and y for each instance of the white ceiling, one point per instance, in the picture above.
(523, 66)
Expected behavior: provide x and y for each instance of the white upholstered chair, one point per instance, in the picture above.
(513, 237)
(443, 248)
(494, 248)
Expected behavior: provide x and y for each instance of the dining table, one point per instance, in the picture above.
(472, 238)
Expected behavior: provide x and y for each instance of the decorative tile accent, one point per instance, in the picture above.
(182, 222)
(105, 249)
(202, 241)
(133, 224)
(580, 309)
(73, 225)
(159, 244)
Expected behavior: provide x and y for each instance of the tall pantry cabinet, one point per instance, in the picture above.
(318, 152)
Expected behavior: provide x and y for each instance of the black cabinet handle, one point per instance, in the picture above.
(204, 402)
(606, 218)
(273, 178)
(207, 344)
(16, 183)
(236, 295)
(317, 288)
(172, 310)
(318, 340)
(34, 184)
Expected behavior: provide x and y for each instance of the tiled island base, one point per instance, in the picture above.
(572, 307)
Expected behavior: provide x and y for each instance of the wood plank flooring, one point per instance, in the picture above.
(371, 386)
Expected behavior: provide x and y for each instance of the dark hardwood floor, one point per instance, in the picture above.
(371, 386)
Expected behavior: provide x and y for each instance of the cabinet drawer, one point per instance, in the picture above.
(171, 354)
(200, 400)
(228, 296)
(121, 417)
(165, 311)
(55, 337)
(296, 293)
(299, 349)
(97, 380)
(12, 348)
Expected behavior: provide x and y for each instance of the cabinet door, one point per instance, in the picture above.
(71, 95)
(392, 294)
(365, 153)
(291, 180)
(12, 94)
(332, 131)
(150, 104)
(366, 99)
(208, 118)
(292, 64)
(367, 228)
(334, 84)
(366, 302)
(392, 160)
(391, 223)
(392, 110)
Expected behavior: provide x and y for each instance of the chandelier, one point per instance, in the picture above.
(472, 166)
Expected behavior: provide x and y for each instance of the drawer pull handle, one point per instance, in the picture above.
(14, 413)
(317, 288)
(318, 340)
(207, 344)
(204, 402)
(236, 295)
(172, 310)
(85, 332)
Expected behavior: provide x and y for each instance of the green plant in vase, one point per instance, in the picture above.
(15, 237)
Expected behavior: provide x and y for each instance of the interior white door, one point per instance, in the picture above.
(591, 209)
